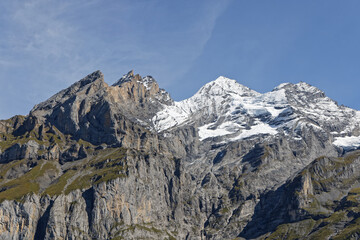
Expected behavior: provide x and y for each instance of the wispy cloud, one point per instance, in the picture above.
(170, 53)
(38, 29)
(46, 44)
(44, 30)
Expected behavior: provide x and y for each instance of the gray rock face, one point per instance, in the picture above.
(127, 162)
(98, 113)
(28, 150)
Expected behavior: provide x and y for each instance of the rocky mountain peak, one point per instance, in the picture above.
(130, 89)
(97, 75)
(92, 110)
(94, 80)
(84, 87)
(125, 78)
(300, 90)
(139, 90)
(148, 82)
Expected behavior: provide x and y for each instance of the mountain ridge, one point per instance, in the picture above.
(99, 161)
(281, 97)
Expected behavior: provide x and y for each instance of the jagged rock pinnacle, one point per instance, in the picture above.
(91, 78)
(125, 78)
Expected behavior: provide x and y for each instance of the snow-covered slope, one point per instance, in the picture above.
(225, 110)
(217, 98)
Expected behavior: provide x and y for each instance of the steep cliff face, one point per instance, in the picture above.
(98, 113)
(126, 206)
(127, 162)
(320, 202)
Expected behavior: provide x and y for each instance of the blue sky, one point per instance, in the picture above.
(46, 45)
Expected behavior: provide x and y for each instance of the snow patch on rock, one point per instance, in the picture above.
(261, 128)
(351, 142)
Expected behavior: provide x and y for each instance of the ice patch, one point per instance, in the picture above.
(260, 128)
(347, 142)
(210, 130)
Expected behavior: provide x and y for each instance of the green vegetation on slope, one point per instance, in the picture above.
(107, 165)
(100, 166)
(28, 183)
(343, 218)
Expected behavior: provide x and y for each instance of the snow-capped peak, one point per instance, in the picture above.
(305, 87)
(223, 85)
(226, 109)
(216, 98)
(301, 86)
(281, 86)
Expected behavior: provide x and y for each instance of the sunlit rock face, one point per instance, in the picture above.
(125, 161)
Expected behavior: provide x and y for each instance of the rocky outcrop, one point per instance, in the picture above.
(318, 203)
(98, 113)
(126, 206)
(28, 150)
